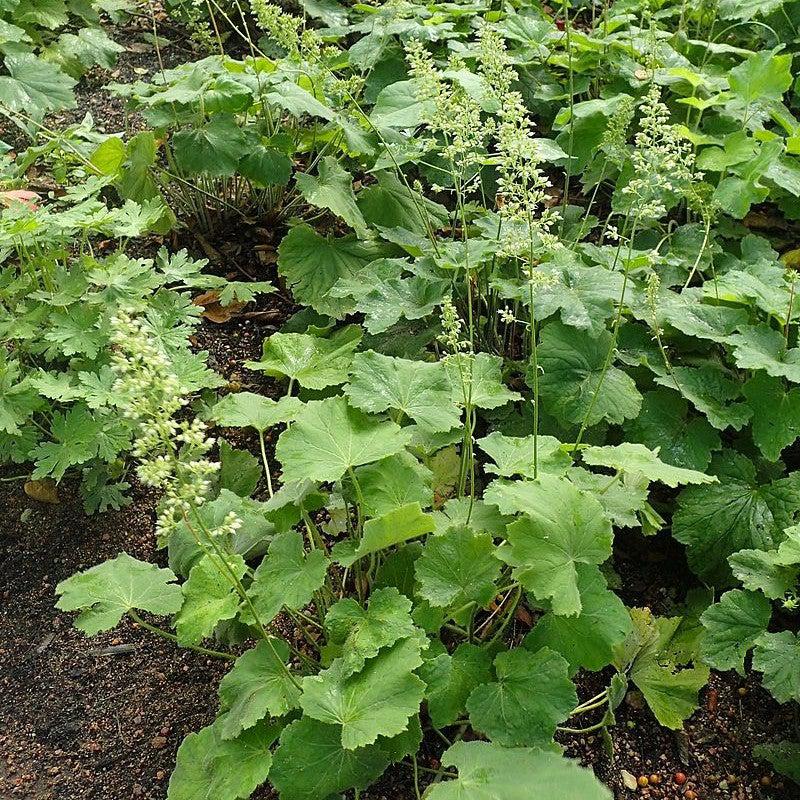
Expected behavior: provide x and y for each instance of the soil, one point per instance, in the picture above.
(103, 717)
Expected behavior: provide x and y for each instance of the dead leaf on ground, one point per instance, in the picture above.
(214, 311)
(43, 491)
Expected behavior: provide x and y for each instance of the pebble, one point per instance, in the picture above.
(158, 742)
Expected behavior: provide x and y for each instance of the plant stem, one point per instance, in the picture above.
(173, 638)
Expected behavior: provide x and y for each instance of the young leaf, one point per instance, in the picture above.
(256, 687)
(777, 655)
(732, 627)
(311, 764)
(359, 633)
(629, 457)
(564, 527)
(489, 772)
(329, 437)
(458, 567)
(533, 693)
(209, 767)
(208, 598)
(421, 390)
(377, 701)
(572, 382)
(310, 360)
(105, 593)
(288, 576)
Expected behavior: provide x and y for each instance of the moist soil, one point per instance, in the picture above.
(103, 717)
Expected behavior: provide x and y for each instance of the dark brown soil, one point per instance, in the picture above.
(103, 718)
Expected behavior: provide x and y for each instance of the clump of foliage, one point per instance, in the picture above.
(532, 317)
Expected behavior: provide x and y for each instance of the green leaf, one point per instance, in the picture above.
(209, 767)
(312, 361)
(393, 482)
(248, 410)
(208, 598)
(256, 687)
(760, 347)
(389, 203)
(732, 626)
(390, 299)
(710, 390)
(458, 567)
(585, 295)
(479, 379)
(718, 520)
(533, 693)
(329, 437)
(312, 264)
(76, 439)
(572, 383)
(629, 457)
(513, 455)
(764, 570)
(240, 471)
(34, 86)
(377, 701)
(589, 639)
(564, 527)
(654, 662)
(777, 655)
(763, 76)
(105, 593)
(664, 425)
(451, 680)
(395, 527)
(266, 166)
(358, 633)
(420, 389)
(288, 576)
(784, 757)
(489, 772)
(211, 149)
(776, 414)
(311, 764)
(332, 189)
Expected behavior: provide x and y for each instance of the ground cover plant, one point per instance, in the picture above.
(544, 282)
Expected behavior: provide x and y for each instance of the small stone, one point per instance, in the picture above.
(629, 780)
(158, 742)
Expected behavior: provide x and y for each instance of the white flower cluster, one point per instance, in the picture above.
(663, 161)
(455, 116)
(172, 453)
(452, 328)
(522, 185)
